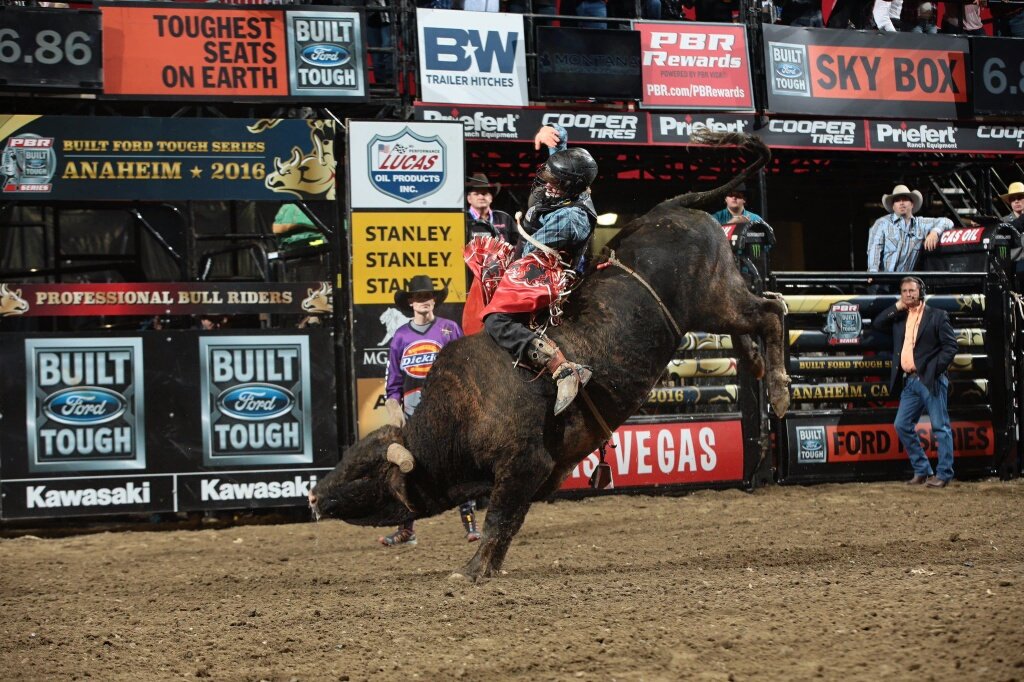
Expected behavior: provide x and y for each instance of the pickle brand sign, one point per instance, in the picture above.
(84, 404)
(255, 400)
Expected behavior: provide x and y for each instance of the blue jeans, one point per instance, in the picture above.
(914, 400)
(925, 27)
(652, 9)
(380, 36)
(592, 8)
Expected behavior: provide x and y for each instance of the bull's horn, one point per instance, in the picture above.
(401, 457)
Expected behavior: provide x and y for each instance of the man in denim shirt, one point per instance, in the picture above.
(894, 241)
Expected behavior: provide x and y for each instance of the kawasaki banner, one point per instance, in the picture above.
(165, 159)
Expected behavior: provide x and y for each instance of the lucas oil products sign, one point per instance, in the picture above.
(85, 403)
(255, 398)
(406, 165)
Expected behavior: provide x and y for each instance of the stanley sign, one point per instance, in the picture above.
(850, 73)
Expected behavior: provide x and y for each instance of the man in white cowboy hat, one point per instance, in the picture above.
(481, 219)
(894, 241)
(413, 350)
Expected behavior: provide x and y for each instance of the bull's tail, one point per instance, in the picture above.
(714, 197)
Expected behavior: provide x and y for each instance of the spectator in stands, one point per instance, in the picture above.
(481, 219)
(894, 242)
(722, 11)
(735, 210)
(592, 8)
(378, 34)
(886, 15)
(294, 228)
(963, 17)
(413, 350)
(919, 17)
(802, 13)
(1010, 21)
(1014, 198)
(924, 345)
(851, 14)
(546, 7)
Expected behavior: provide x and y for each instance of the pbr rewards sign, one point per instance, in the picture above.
(165, 159)
(221, 52)
(163, 421)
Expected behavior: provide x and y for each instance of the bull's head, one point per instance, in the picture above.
(318, 300)
(11, 302)
(368, 487)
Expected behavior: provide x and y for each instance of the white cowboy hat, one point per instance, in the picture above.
(902, 191)
(1015, 189)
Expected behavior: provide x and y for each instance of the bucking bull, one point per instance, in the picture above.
(485, 428)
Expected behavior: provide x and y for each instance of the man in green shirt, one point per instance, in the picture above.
(294, 229)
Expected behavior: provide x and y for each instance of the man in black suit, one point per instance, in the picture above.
(919, 363)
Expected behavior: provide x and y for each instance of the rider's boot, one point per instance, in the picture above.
(569, 376)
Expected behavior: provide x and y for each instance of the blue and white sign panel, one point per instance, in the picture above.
(478, 62)
(410, 164)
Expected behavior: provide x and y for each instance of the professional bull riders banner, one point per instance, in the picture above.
(482, 61)
(212, 52)
(48, 50)
(84, 158)
(695, 66)
(170, 298)
(861, 73)
(163, 421)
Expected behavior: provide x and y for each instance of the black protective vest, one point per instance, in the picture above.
(573, 252)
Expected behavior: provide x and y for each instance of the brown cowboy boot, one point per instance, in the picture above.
(568, 376)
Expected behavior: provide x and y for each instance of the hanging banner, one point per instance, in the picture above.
(814, 134)
(680, 128)
(405, 165)
(998, 75)
(482, 64)
(668, 454)
(925, 136)
(588, 63)
(44, 49)
(84, 158)
(169, 298)
(861, 73)
(521, 124)
(246, 53)
(695, 66)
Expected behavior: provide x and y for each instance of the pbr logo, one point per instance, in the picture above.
(255, 400)
(843, 323)
(27, 164)
(788, 70)
(407, 166)
(85, 404)
(811, 445)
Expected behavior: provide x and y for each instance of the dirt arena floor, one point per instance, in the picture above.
(841, 582)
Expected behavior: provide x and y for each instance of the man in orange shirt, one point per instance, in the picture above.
(924, 345)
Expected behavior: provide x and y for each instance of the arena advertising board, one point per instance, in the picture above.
(950, 138)
(668, 454)
(83, 158)
(478, 62)
(520, 124)
(998, 75)
(163, 421)
(216, 52)
(164, 298)
(588, 63)
(695, 66)
(680, 128)
(47, 50)
(861, 73)
(803, 133)
(405, 165)
(833, 446)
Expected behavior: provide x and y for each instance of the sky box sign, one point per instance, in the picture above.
(482, 64)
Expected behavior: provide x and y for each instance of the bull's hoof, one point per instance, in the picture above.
(458, 577)
(778, 395)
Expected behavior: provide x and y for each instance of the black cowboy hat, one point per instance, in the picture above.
(479, 181)
(420, 284)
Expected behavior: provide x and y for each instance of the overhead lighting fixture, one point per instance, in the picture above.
(606, 219)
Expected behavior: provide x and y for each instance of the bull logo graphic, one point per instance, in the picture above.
(528, 273)
(11, 302)
(407, 166)
(319, 301)
(306, 175)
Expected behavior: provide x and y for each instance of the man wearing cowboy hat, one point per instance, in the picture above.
(894, 241)
(735, 210)
(481, 219)
(413, 350)
(1014, 198)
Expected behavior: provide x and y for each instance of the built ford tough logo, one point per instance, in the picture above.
(86, 405)
(256, 402)
(325, 54)
(843, 323)
(811, 445)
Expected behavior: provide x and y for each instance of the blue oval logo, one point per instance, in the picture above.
(255, 402)
(84, 405)
(789, 70)
(325, 54)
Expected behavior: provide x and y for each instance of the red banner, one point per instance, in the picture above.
(848, 443)
(695, 66)
(174, 298)
(668, 454)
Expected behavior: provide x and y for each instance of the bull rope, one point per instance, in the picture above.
(612, 260)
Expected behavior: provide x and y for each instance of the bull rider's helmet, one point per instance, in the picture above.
(571, 170)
